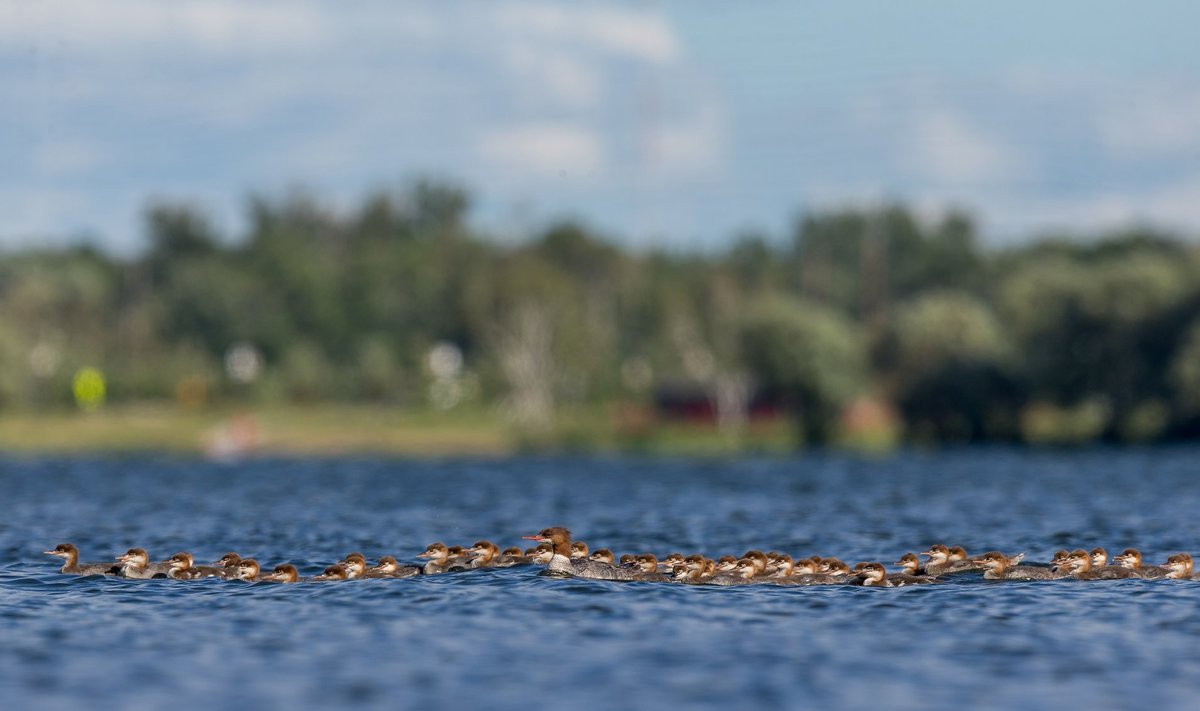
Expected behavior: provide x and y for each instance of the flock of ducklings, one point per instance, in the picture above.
(753, 567)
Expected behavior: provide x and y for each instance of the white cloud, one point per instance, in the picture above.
(67, 156)
(544, 149)
(1156, 119)
(134, 26)
(635, 34)
(690, 146)
(947, 148)
(563, 77)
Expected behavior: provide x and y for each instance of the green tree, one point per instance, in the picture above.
(809, 356)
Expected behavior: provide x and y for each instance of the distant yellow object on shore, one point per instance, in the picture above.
(89, 388)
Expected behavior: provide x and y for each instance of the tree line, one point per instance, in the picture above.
(1067, 338)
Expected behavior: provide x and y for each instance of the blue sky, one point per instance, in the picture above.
(668, 123)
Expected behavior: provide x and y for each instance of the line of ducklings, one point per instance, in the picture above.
(753, 567)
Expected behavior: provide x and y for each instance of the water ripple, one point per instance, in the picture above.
(511, 638)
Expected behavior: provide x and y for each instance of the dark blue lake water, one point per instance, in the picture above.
(509, 639)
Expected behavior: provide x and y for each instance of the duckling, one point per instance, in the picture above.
(1179, 566)
(602, 555)
(71, 565)
(337, 571)
(997, 566)
(1131, 558)
(389, 567)
(510, 557)
(283, 573)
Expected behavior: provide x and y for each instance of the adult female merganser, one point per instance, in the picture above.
(997, 566)
(1179, 566)
(561, 562)
(389, 567)
(602, 555)
(1131, 558)
(283, 573)
(70, 555)
(135, 563)
(579, 550)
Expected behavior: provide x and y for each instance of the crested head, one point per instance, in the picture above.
(1099, 557)
(556, 536)
(552, 535)
(63, 550)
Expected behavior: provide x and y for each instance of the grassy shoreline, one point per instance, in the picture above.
(356, 429)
